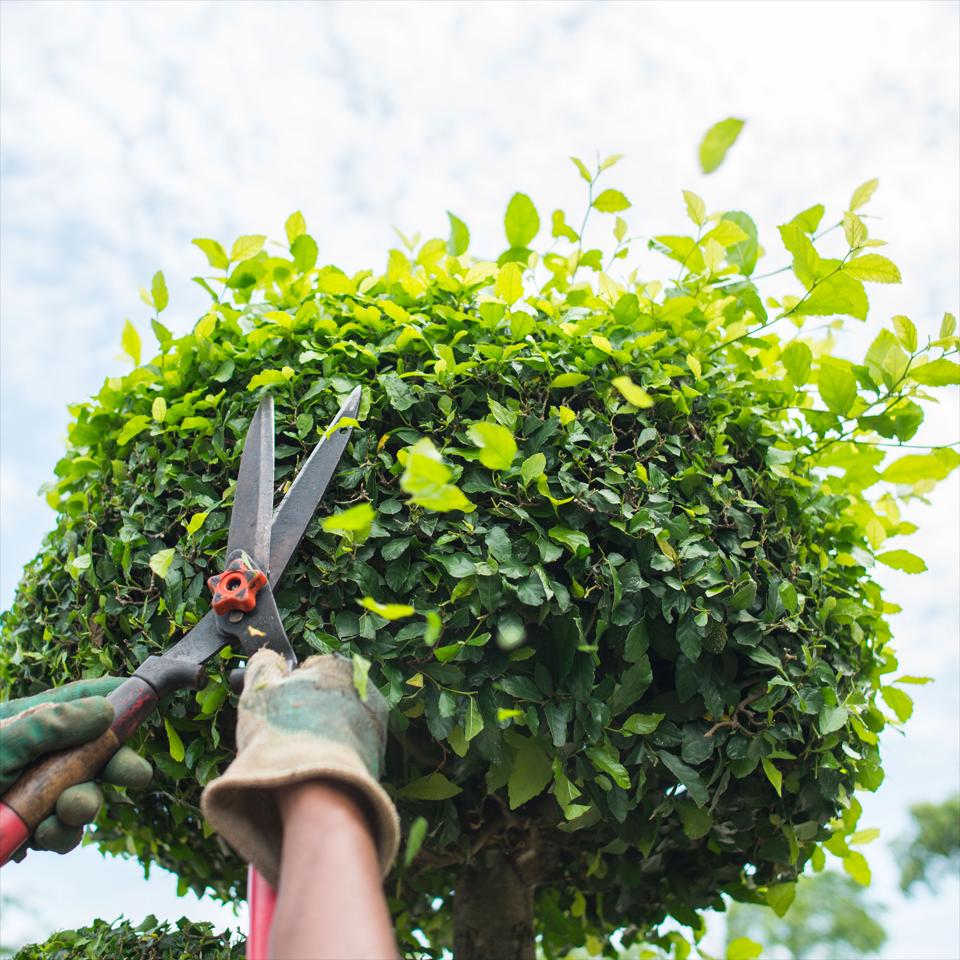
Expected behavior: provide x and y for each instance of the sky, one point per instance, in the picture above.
(127, 129)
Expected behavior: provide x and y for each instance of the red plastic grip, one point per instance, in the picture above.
(13, 833)
(262, 900)
(236, 588)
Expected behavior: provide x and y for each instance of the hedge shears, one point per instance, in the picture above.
(260, 544)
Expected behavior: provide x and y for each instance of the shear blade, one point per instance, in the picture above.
(250, 520)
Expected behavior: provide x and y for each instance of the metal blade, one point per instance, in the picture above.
(293, 516)
(253, 501)
(201, 643)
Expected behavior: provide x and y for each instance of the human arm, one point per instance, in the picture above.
(302, 737)
(55, 720)
(330, 901)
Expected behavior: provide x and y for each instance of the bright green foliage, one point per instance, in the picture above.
(932, 852)
(830, 916)
(149, 940)
(636, 523)
(717, 141)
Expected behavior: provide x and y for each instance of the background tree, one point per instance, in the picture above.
(932, 852)
(604, 542)
(830, 917)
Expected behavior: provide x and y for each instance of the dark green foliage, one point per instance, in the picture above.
(148, 940)
(646, 648)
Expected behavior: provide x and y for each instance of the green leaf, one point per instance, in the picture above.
(498, 449)
(304, 251)
(355, 521)
(797, 359)
(532, 467)
(697, 823)
(744, 595)
(608, 162)
(937, 373)
(247, 246)
(361, 674)
(611, 201)
(687, 776)
(947, 325)
(160, 562)
(632, 393)
(898, 701)
(917, 467)
(175, 744)
(743, 948)
(902, 560)
(130, 341)
(837, 385)
(434, 786)
(606, 761)
(577, 542)
(295, 226)
(426, 478)
(917, 681)
(773, 775)
(389, 611)
(906, 332)
(78, 564)
(521, 222)
(581, 166)
(131, 428)
(854, 230)
(780, 896)
(210, 697)
(459, 239)
(717, 141)
(159, 409)
(855, 863)
(509, 285)
(745, 253)
(863, 193)
(642, 724)
(873, 268)
(696, 209)
(270, 378)
(529, 775)
(196, 522)
(568, 379)
(158, 289)
(473, 721)
(415, 838)
(832, 719)
(215, 254)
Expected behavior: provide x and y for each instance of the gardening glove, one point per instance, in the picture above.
(65, 717)
(295, 726)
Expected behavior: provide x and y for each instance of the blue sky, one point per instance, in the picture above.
(128, 129)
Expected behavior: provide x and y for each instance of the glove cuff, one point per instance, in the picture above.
(241, 807)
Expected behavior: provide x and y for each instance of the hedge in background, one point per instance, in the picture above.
(604, 542)
(148, 940)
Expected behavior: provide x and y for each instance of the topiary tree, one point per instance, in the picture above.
(604, 542)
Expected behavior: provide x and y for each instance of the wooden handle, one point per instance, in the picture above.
(34, 796)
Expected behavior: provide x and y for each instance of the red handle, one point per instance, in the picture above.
(13, 833)
(262, 900)
(236, 588)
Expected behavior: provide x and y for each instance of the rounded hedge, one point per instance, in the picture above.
(580, 542)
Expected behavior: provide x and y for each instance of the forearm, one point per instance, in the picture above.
(330, 901)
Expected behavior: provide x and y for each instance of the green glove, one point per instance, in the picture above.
(65, 717)
(295, 726)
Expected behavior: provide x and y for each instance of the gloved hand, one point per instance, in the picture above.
(298, 726)
(65, 717)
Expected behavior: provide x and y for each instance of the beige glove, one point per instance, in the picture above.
(292, 727)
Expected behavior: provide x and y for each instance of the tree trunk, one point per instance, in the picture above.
(493, 911)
